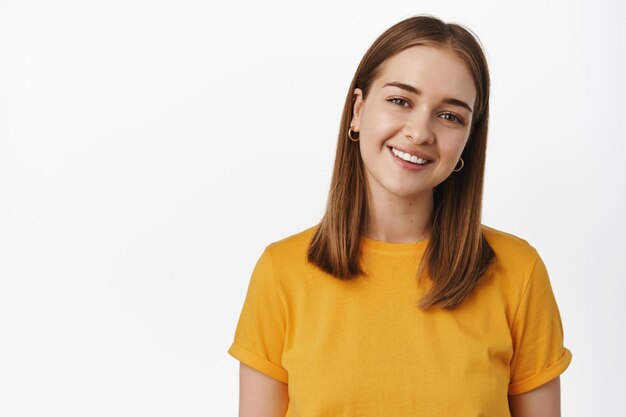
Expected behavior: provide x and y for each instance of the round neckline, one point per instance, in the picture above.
(400, 248)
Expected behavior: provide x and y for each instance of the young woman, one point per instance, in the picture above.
(400, 302)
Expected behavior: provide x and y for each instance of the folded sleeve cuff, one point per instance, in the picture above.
(258, 363)
(542, 376)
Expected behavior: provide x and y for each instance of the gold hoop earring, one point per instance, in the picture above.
(350, 135)
(462, 165)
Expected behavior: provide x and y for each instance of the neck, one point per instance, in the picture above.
(393, 218)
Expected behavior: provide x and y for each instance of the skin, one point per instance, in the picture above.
(261, 395)
(400, 200)
(544, 401)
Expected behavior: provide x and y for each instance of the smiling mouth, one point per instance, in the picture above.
(391, 150)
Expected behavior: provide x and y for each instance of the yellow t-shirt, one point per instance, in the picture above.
(363, 348)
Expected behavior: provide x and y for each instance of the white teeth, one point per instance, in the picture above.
(409, 157)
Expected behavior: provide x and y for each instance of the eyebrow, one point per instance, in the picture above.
(411, 89)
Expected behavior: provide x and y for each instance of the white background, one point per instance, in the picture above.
(149, 150)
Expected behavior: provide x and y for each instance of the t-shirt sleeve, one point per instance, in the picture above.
(260, 333)
(537, 332)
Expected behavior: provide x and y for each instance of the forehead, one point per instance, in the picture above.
(434, 70)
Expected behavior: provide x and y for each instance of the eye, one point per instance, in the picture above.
(458, 119)
(393, 100)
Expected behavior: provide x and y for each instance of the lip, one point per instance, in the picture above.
(416, 153)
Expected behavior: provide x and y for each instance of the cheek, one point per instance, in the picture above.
(382, 126)
(451, 150)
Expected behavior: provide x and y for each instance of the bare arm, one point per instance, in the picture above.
(544, 401)
(261, 395)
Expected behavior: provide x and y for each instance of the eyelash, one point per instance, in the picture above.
(459, 120)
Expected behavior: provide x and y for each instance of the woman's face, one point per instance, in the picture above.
(416, 106)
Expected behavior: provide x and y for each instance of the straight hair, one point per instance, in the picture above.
(457, 255)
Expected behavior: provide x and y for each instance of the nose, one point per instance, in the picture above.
(418, 128)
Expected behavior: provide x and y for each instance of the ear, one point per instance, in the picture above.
(356, 109)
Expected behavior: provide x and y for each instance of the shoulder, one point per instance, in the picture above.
(516, 260)
(513, 252)
(297, 241)
(290, 251)
(507, 243)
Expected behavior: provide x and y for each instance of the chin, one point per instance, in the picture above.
(410, 193)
